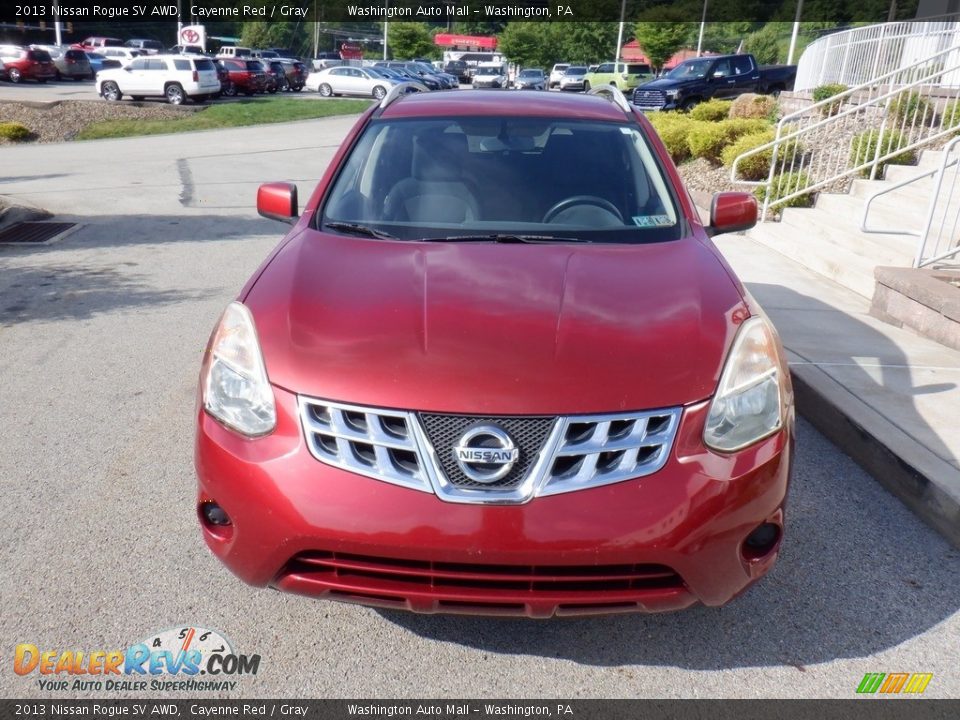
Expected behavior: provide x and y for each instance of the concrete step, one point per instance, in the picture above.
(844, 213)
(816, 253)
(899, 173)
(823, 226)
(915, 192)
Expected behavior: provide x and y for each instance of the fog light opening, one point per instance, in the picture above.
(214, 514)
(761, 541)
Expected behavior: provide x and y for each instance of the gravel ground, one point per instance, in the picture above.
(55, 122)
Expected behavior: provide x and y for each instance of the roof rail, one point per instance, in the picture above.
(398, 91)
(613, 94)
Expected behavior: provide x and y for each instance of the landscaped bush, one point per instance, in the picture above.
(757, 167)
(673, 129)
(15, 132)
(951, 115)
(708, 140)
(783, 185)
(712, 111)
(754, 106)
(822, 92)
(864, 147)
(912, 110)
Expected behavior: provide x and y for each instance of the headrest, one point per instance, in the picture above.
(439, 156)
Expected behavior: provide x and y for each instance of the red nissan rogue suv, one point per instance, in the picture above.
(497, 367)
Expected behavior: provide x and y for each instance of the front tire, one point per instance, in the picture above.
(175, 94)
(229, 90)
(111, 91)
(14, 74)
(325, 90)
(689, 105)
(379, 92)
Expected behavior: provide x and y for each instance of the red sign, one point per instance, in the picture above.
(351, 51)
(467, 42)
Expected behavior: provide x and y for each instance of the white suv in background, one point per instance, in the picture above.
(556, 73)
(175, 77)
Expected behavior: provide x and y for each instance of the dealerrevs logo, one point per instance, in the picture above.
(197, 659)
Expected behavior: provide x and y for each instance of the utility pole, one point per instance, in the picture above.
(796, 29)
(616, 58)
(703, 22)
(56, 24)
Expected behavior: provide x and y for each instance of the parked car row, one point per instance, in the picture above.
(378, 79)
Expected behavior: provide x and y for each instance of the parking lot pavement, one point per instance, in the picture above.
(100, 343)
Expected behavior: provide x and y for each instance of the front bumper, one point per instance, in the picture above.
(664, 542)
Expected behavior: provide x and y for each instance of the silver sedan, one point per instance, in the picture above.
(365, 82)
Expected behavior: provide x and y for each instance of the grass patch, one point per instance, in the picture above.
(226, 115)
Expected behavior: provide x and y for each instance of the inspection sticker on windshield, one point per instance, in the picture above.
(652, 220)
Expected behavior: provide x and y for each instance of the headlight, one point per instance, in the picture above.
(749, 403)
(671, 93)
(236, 390)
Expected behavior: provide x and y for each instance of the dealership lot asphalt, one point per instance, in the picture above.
(100, 341)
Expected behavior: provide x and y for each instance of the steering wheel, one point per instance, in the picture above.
(570, 202)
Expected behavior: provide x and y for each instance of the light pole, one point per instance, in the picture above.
(703, 22)
(616, 58)
(793, 36)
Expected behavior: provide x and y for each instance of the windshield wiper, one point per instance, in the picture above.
(508, 238)
(357, 229)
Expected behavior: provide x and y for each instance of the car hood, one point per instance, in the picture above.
(493, 328)
(668, 84)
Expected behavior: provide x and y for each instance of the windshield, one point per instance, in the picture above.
(575, 71)
(531, 74)
(691, 69)
(419, 178)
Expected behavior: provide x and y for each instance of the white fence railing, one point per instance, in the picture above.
(938, 239)
(853, 57)
(856, 133)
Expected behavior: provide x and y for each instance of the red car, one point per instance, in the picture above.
(497, 367)
(245, 76)
(23, 63)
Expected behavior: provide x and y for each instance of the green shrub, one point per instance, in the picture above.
(951, 115)
(708, 140)
(712, 111)
(757, 167)
(15, 132)
(738, 127)
(912, 109)
(675, 137)
(822, 92)
(783, 185)
(863, 148)
(753, 106)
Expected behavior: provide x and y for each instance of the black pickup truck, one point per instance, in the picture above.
(723, 77)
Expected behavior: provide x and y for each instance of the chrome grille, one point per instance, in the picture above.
(605, 449)
(557, 454)
(653, 99)
(529, 433)
(373, 442)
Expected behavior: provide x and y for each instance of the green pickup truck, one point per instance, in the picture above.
(625, 76)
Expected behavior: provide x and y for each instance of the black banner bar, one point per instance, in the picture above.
(441, 12)
(867, 708)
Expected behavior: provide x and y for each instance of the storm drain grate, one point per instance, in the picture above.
(32, 232)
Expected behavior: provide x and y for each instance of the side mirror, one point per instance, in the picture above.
(278, 201)
(732, 212)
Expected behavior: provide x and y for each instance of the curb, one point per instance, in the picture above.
(896, 461)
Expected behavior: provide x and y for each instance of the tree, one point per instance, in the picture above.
(411, 40)
(266, 34)
(532, 44)
(764, 44)
(588, 42)
(660, 40)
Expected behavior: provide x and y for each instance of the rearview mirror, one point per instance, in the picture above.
(278, 201)
(732, 212)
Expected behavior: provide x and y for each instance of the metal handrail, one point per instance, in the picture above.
(881, 101)
(935, 199)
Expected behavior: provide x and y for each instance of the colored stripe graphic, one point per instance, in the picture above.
(870, 683)
(918, 682)
(894, 683)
